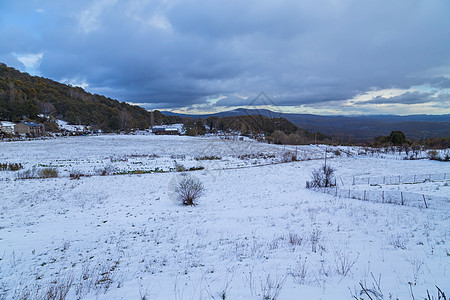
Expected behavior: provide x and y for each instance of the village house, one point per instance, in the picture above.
(7, 127)
(29, 128)
(165, 130)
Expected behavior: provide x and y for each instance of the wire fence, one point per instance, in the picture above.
(393, 197)
(401, 179)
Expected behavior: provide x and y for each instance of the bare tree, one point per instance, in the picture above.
(47, 108)
(125, 119)
(323, 177)
(189, 190)
(12, 92)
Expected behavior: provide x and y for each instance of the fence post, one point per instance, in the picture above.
(384, 179)
(349, 193)
(382, 197)
(401, 194)
(364, 195)
(353, 180)
(399, 179)
(426, 206)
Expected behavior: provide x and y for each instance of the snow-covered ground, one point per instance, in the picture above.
(74, 128)
(257, 233)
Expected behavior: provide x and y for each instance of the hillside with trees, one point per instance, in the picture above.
(23, 96)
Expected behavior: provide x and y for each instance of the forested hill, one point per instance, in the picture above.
(25, 96)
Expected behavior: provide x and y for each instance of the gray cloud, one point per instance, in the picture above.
(233, 100)
(180, 53)
(440, 82)
(408, 98)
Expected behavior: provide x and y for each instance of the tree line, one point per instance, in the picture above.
(267, 129)
(398, 138)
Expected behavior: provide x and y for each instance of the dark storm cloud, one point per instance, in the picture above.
(180, 53)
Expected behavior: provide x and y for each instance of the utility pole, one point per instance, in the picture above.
(325, 171)
(424, 133)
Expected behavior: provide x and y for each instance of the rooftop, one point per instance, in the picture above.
(31, 124)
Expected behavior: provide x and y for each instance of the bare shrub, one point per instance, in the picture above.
(28, 173)
(314, 238)
(56, 289)
(48, 173)
(38, 173)
(289, 156)
(106, 170)
(76, 174)
(256, 156)
(416, 264)
(59, 289)
(211, 157)
(189, 190)
(275, 244)
(295, 239)
(98, 277)
(300, 273)
(10, 166)
(398, 241)
(271, 288)
(179, 167)
(373, 292)
(24, 292)
(433, 155)
(344, 262)
(440, 295)
(323, 177)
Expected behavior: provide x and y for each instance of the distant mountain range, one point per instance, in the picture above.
(352, 128)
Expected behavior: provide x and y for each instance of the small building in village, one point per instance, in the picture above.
(29, 128)
(165, 130)
(7, 127)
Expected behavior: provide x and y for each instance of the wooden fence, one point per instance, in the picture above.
(401, 179)
(393, 197)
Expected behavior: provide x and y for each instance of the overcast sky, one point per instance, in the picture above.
(307, 56)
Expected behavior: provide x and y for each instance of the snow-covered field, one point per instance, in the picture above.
(257, 233)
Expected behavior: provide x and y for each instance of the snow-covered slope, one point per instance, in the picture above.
(73, 128)
(257, 232)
